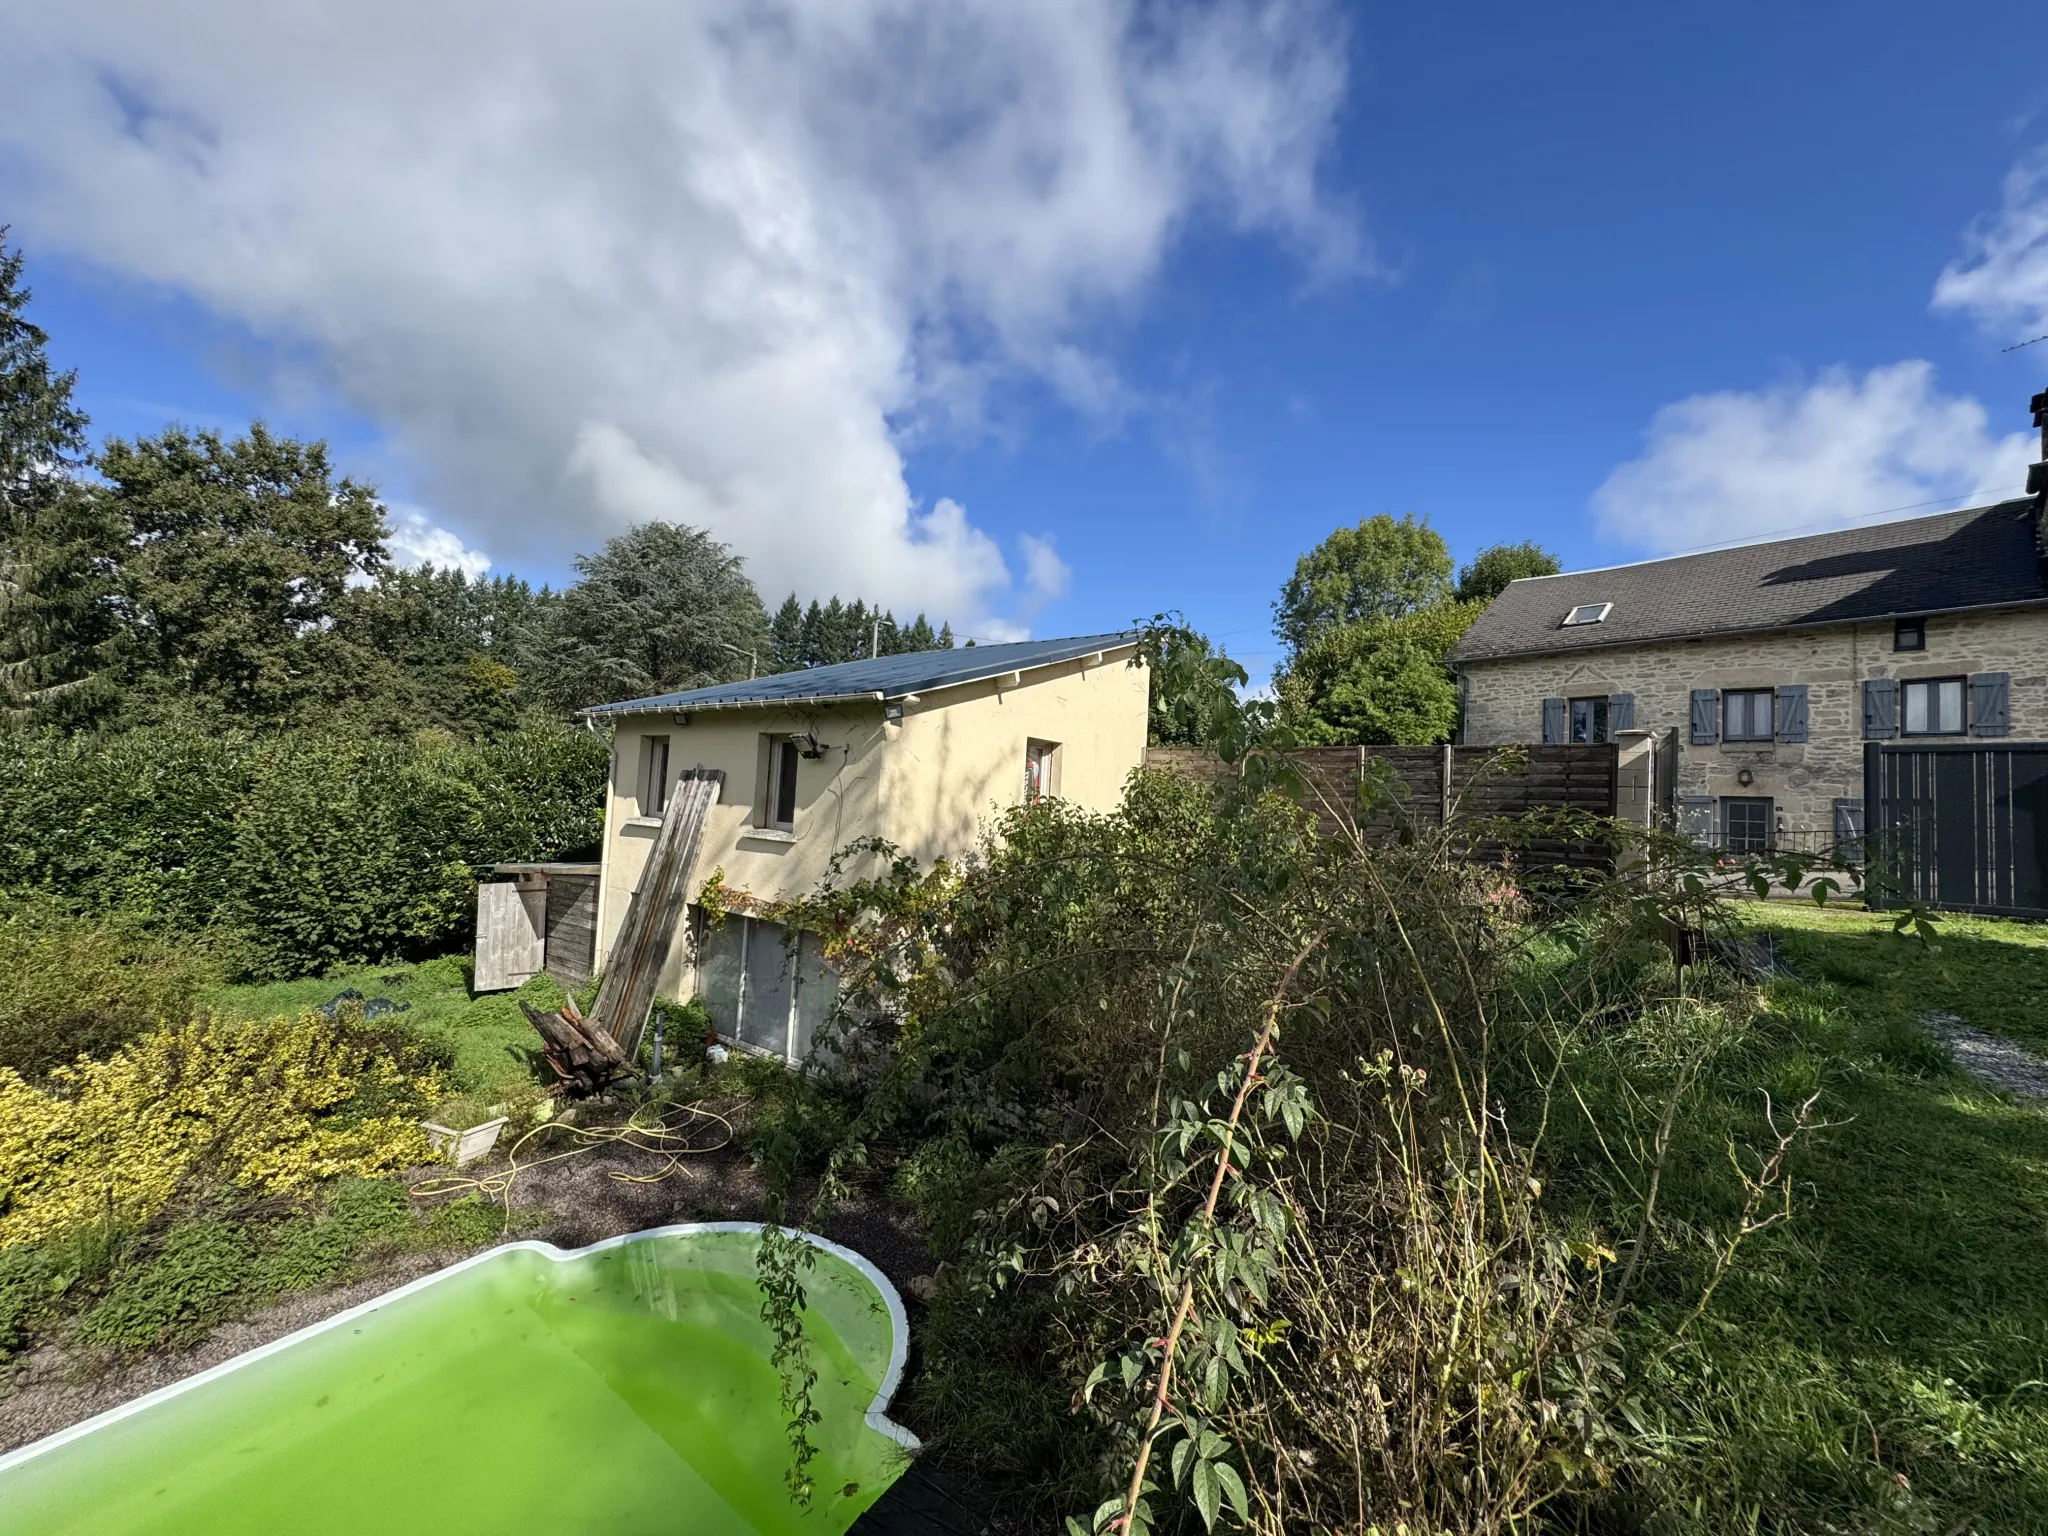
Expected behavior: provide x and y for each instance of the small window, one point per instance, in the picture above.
(1909, 635)
(1041, 770)
(1745, 825)
(780, 808)
(1746, 715)
(1589, 719)
(1933, 707)
(653, 775)
(1588, 613)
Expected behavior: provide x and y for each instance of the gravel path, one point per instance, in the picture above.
(1991, 1059)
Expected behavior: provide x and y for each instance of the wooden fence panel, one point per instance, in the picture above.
(1482, 782)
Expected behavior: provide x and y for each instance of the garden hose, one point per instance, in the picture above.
(672, 1141)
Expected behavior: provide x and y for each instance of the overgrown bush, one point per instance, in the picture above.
(73, 986)
(1230, 1136)
(1197, 1109)
(266, 1108)
(321, 847)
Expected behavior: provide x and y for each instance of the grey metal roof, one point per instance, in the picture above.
(884, 677)
(1982, 557)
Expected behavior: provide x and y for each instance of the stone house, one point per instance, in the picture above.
(1760, 672)
(923, 750)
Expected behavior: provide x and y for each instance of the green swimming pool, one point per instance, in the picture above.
(624, 1388)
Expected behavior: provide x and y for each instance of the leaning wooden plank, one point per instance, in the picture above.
(656, 909)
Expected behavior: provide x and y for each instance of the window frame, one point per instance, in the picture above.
(1906, 686)
(1045, 783)
(1763, 805)
(784, 758)
(1916, 628)
(1750, 737)
(1598, 712)
(655, 780)
(1598, 614)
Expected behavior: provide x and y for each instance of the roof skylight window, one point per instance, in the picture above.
(1588, 613)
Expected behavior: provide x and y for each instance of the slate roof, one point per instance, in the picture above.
(884, 677)
(1982, 557)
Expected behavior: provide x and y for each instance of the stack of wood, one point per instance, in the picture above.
(587, 1052)
(580, 1051)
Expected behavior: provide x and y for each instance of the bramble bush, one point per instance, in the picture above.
(1230, 1136)
(316, 847)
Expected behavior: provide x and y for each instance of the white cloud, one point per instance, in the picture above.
(416, 540)
(2001, 280)
(1722, 468)
(706, 259)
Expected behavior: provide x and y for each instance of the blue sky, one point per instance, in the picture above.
(1452, 260)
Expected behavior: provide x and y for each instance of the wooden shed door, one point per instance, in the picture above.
(509, 943)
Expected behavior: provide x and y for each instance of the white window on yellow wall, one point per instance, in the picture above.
(654, 784)
(1041, 770)
(778, 788)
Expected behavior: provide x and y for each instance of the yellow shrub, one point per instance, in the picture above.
(267, 1108)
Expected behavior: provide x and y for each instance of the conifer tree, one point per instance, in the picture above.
(58, 547)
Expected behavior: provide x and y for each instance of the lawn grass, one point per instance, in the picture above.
(1878, 1363)
(496, 1049)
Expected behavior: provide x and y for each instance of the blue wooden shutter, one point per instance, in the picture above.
(1848, 831)
(1706, 716)
(1989, 711)
(1880, 708)
(1621, 713)
(1553, 722)
(1792, 712)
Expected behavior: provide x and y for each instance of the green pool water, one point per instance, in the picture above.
(623, 1389)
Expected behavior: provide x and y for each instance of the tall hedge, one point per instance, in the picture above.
(316, 846)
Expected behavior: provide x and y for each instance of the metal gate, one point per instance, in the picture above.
(1959, 827)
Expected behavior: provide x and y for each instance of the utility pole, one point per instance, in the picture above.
(875, 640)
(753, 659)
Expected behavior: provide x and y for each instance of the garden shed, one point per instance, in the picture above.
(534, 918)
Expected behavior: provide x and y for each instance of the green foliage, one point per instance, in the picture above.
(1872, 1364)
(238, 560)
(320, 848)
(1382, 568)
(820, 635)
(1488, 573)
(464, 654)
(466, 1223)
(55, 545)
(1137, 1074)
(1380, 681)
(190, 1283)
(654, 612)
(1195, 699)
(82, 987)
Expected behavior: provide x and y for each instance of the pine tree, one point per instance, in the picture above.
(946, 637)
(58, 546)
(786, 637)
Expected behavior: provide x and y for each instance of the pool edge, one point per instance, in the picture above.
(877, 1417)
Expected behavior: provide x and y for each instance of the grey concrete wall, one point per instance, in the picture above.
(1504, 699)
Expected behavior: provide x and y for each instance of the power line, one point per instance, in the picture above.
(2027, 343)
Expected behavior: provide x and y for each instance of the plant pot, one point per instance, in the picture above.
(464, 1147)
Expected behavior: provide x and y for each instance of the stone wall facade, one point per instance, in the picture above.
(1503, 701)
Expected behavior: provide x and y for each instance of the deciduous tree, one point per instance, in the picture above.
(1490, 571)
(1380, 569)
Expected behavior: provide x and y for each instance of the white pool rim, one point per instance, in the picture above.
(877, 1414)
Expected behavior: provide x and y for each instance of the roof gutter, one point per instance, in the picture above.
(636, 707)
